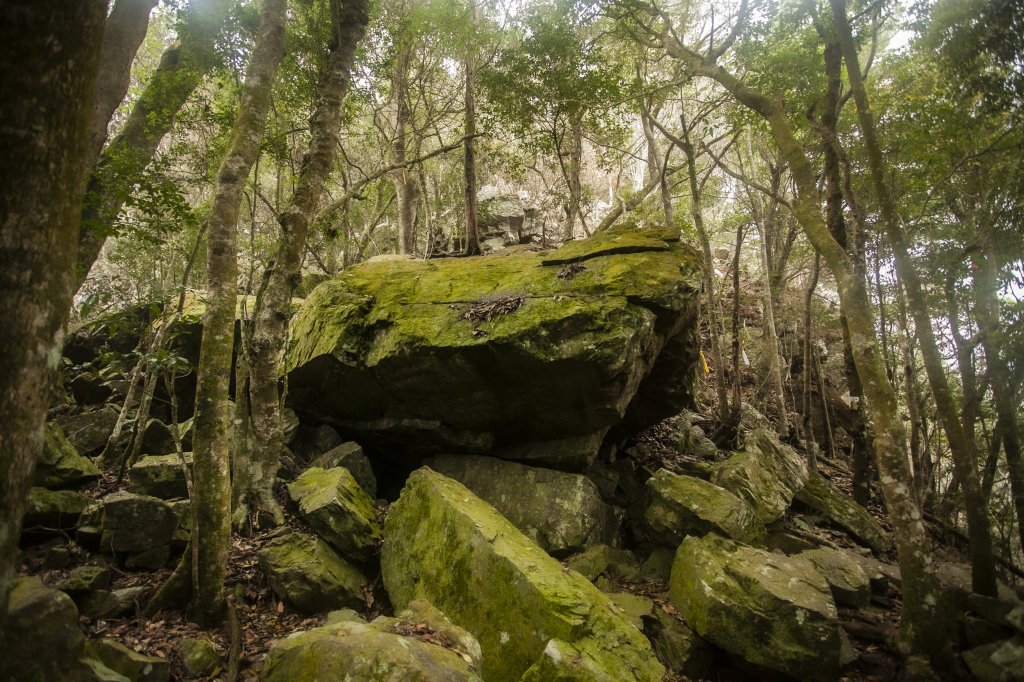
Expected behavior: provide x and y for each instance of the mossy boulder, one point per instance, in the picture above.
(140, 527)
(684, 505)
(160, 476)
(604, 560)
(53, 511)
(339, 510)
(85, 579)
(770, 610)
(350, 456)
(678, 647)
(41, 640)
(89, 430)
(199, 656)
(766, 474)
(845, 577)
(444, 544)
(414, 647)
(61, 466)
(562, 512)
(309, 574)
(819, 494)
(133, 665)
(504, 353)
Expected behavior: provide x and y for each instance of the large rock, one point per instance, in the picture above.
(820, 495)
(445, 545)
(138, 526)
(403, 649)
(60, 465)
(89, 431)
(339, 510)
(53, 511)
(561, 512)
(502, 353)
(846, 578)
(133, 665)
(766, 474)
(42, 640)
(771, 610)
(160, 476)
(307, 573)
(684, 505)
(350, 455)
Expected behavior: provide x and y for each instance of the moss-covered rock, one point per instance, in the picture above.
(602, 559)
(85, 579)
(445, 545)
(61, 466)
(160, 476)
(338, 510)
(89, 430)
(132, 664)
(771, 610)
(845, 577)
(561, 512)
(42, 640)
(678, 647)
(350, 456)
(138, 526)
(490, 354)
(310, 575)
(53, 511)
(374, 652)
(684, 505)
(766, 474)
(823, 497)
(199, 657)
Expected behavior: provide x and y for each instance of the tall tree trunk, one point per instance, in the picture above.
(697, 215)
(771, 340)
(405, 186)
(983, 577)
(657, 166)
(920, 627)
(986, 290)
(47, 75)
(181, 69)
(211, 537)
(809, 445)
(124, 32)
(254, 474)
(469, 146)
(572, 166)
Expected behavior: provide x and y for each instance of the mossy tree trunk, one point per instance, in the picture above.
(403, 178)
(47, 75)
(211, 504)
(469, 145)
(921, 629)
(181, 69)
(962, 447)
(256, 470)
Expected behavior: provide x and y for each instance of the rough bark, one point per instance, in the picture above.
(771, 339)
(254, 474)
(469, 147)
(405, 185)
(181, 69)
(572, 165)
(920, 627)
(47, 75)
(983, 577)
(697, 215)
(809, 444)
(986, 290)
(124, 31)
(657, 166)
(211, 440)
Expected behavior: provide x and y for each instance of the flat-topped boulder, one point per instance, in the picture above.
(61, 465)
(528, 355)
(684, 505)
(445, 545)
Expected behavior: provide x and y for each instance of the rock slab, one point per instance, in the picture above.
(447, 546)
(684, 505)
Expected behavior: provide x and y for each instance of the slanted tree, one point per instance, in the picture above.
(48, 76)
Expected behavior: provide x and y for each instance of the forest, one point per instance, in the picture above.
(581, 340)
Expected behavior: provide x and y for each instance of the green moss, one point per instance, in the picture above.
(766, 474)
(684, 505)
(305, 571)
(447, 546)
(772, 610)
(825, 498)
(338, 509)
